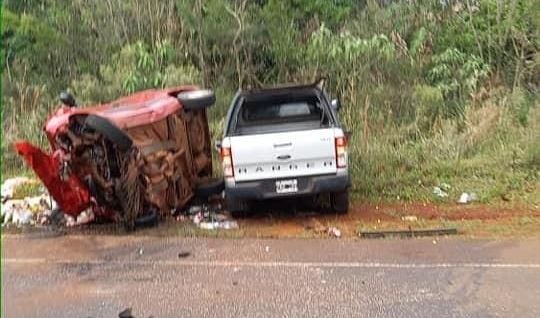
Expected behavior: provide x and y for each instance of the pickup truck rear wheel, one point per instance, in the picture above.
(340, 202)
(239, 208)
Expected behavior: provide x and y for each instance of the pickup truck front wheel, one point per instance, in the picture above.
(340, 202)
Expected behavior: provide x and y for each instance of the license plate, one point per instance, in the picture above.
(287, 186)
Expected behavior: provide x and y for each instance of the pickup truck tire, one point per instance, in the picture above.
(340, 202)
(105, 127)
(239, 208)
(197, 100)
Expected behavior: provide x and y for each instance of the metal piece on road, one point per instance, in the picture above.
(408, 233)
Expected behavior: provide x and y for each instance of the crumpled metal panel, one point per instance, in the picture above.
(70, 194)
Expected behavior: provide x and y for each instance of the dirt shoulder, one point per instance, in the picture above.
(282, 221)
(475, 220)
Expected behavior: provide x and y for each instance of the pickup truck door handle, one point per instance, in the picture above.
(284, 157)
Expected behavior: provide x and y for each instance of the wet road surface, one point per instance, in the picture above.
(99, 276)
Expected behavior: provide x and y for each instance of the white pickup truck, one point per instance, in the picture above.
(284, 142)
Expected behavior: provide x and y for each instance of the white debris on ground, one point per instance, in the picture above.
(409, 218)
(30, 210)
(40, 209)
(442, 190)
(84, 217)
(334, 231)
(316, 226)
(210, 216)
(15, 211)
(465, 198)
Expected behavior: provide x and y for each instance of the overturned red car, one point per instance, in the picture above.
(130, 160)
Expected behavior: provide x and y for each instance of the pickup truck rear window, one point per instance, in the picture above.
(281, 114)
(296, 111)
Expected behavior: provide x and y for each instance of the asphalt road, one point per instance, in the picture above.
(99, 276)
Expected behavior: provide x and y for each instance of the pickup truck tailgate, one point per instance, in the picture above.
(282, 155)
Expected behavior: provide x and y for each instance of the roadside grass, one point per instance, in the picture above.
(491, 156)
(28, 189)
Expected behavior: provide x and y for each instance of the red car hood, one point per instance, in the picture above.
(138, 109)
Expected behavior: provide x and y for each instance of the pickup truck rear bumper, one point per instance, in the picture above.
(266, 189)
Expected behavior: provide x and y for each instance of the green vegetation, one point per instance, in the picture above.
(434, 91)
(28, 189)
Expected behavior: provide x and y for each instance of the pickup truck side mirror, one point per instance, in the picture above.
(336, 104)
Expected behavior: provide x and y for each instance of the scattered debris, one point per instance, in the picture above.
(16, 212)
(506, 197)
(141, 251)
(408, 233)
(335, 232)
(465, 198)
(194, 209)
(267, 249)
(183, 254)
(126, 313)
(69, 220)
(409, 218)
(224, 225)
(86, 216)
(54, 216)
(314, 225)
(210, 216)
(439, 192)
(30, 210)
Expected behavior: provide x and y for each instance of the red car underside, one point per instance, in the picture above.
(150, 118)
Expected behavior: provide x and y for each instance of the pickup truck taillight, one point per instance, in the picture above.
(341, 152)
(226, 159)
